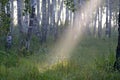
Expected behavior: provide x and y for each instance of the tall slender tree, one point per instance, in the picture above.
(44, 18)
(20, 26)
(67, 16)
(53, 18)
(58, 19)
(107, 19)
(95, 22)
(38, 10)
(19, 15)
(117, 62)
(11, 15)
(100, 22)
(110, 17)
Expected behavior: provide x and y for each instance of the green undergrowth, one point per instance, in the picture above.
(92, 59)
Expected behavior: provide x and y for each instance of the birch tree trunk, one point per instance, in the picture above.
(44, 26)
(47, 16)
(67, 16)
(11, 14)
(20, 27)
(100, 22)
(58, 19)
(38, 11)
(54, 27)
(19, 15)
(107, 26)
(95, 21)
(31, 24)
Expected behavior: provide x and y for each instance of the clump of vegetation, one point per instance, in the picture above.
(86, 62)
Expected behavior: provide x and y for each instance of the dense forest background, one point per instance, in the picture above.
(32, 30)
(45, 19)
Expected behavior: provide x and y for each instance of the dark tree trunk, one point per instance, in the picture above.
(110, 17)
(117, 62)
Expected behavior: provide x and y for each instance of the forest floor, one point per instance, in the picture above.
(92, 59)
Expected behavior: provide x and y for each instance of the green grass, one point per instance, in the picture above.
(92, 59)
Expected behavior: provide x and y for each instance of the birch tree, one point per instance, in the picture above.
(44, 26)
(100, 21)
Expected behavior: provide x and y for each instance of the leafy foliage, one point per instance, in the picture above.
(70, 5)
(3, 2)
(4, 28)
(27, 8)
(4, 18)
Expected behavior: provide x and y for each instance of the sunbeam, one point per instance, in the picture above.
(74, 33)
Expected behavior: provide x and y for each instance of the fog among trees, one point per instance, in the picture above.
(59, 39)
